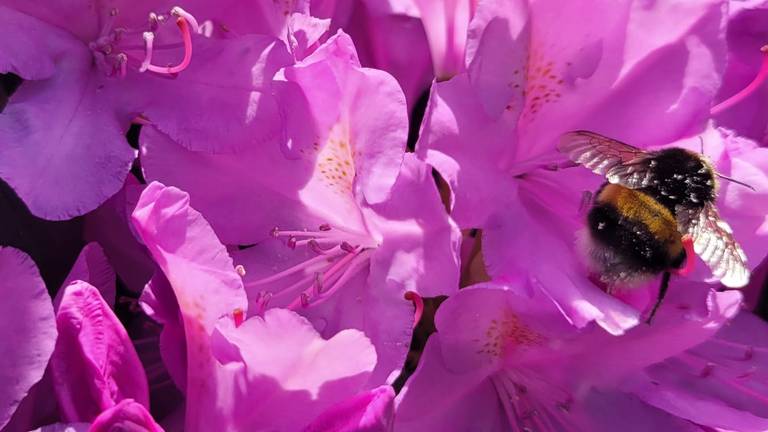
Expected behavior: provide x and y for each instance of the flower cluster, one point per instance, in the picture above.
(316, 215)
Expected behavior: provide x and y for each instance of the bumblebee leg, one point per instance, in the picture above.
(660, 298)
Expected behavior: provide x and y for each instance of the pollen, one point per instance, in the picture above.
(507, 333)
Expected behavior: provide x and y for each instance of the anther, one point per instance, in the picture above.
(347, 247)
(275, 232)
(304, 299)
(324, 227)
(122, 64)
(154, 22)
(762, 74)
(707, 370)
(206, 28)
(291, 242)
(318, 283)
(240, 270)
(181, 13)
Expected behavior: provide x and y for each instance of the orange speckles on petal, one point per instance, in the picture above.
(508, 333)
(335, 162)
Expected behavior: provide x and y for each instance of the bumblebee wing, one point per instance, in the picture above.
(618, 162)
(713, 241)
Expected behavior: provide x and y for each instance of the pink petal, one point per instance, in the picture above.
(94, 365)
(86, 155)
(497, 43)
(221, 102)
(28, 330)
(229, 189)
(291, 373)
(357, 107)
(446, 25)
(420, 248)
(29, 53)
(437, 398)
(467, 147)
(372, 411)
(718, 383)
(206, 287)
(126, 415)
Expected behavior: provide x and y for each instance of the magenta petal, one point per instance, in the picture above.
(28, 53)
(234, 206)
(420, 248)
(289, 372)
(86, 157)
(718, 384)
(372, 411)
(187, 250)
(94, 365)
(467, 147)
(206, 288)
(92, 267)
(128, 415)
(222, 101)
(436, 398)
(362, 107)
(28, 330)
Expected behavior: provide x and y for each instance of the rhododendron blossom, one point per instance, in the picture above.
(368, 215)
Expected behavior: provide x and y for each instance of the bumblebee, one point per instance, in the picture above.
(654, 211)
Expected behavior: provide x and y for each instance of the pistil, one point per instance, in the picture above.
(762, 74)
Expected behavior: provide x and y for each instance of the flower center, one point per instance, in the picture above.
(339, 255)
(115, 50)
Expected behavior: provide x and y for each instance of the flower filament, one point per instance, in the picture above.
(339, 256)
(111, 55)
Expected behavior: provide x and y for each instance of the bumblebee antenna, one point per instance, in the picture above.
(724, 177)
(662, 292)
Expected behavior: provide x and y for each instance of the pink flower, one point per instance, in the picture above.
(272, 370)
(28, 329)
(498, 124)
(501, 360)
(363, 223)
(100, 64)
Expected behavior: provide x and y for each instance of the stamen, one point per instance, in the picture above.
(181, 13)
(353, 263)
(418, 303)
(762, 74)
(206, 28)
(187, 38)
(149, 39)
(334, 252)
